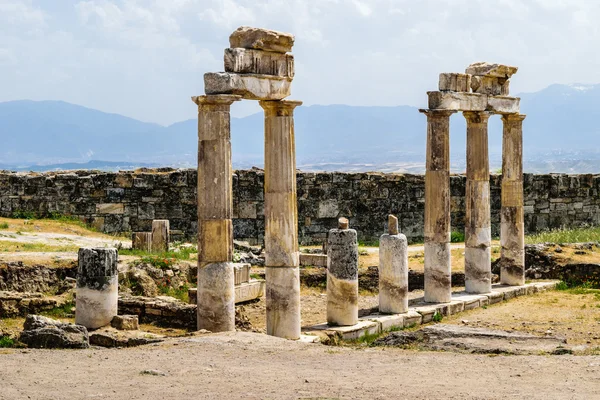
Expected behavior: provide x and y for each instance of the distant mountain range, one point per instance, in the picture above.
(561, 134)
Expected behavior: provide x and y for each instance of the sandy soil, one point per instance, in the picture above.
(573, 316)
(254, 366)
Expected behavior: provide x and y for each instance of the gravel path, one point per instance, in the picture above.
(254, 366)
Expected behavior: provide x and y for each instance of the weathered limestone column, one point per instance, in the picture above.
(160, 235)
(478, 232)
(512, 228)
(438, 288)
(97, 287)
(393, 270)
(216, 292)
(342, 275)
(281, 220)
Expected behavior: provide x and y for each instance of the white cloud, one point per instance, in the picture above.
(144, 58)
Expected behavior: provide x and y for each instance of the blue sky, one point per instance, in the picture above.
(144, 59)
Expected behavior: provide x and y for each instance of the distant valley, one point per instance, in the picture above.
(561, 134)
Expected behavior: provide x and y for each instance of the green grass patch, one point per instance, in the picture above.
(180, 293)
(577, 235)
(368, 243)
(64, 311)
(7, 342)
(457, 237)
(4, 225)
(162, 260)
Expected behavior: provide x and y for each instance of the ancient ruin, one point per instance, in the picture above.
(257, 67)
(393, 270)
(97, 287)
(479, 93)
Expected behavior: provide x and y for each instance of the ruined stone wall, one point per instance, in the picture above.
(128, 201)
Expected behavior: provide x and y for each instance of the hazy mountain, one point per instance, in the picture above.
(561, 133)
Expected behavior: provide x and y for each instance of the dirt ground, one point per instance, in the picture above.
(254, 366)
(572, 314)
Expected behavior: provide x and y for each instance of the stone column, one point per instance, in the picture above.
(512, 228)
(281, 220)
(342, 275)
(216, 292)
(478, 233)
(438, 287)
(97, 287)
(160, 235)
(393, 270)
(141, 241)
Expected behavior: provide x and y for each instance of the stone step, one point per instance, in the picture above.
(421, 312)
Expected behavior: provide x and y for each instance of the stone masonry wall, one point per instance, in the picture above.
(129, 201)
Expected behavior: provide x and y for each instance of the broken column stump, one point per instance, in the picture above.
(342, 275)
(97, 287)
(393, 270)
(141, 241)
(160, 235)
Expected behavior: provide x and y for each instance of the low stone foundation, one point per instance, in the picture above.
(15, 304)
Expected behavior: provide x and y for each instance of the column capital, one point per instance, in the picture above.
(218, 100)
(279, 108)
(513, 117)
(477, 117)
(436, 113)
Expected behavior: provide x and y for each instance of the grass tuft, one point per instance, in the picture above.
(576, 235)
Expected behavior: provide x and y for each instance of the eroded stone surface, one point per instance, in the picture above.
(342, 277)
(475, 340)
(248, 61)
(262, 39)
(483, 68)
(216, 297)
(393, 274)
(453, 82)
(97, 287)
(45, 333)
(250, 86)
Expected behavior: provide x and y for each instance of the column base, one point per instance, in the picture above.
(216, 297)
(438, 275)
(478, 270)
(96, 308)
(283, 302)
(512, 267)
(342, 301)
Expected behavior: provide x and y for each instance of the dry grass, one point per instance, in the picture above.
(573, 314)
(51, 226)
(16, 247)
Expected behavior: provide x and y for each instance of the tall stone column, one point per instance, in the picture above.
(216, 293)
(281, 220)
(478, 232)
(512, 228)
(438, 288)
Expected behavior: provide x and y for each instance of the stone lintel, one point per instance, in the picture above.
(262, 39)
(454, 82)
(503, 104)
(248, 86)
(458, 101)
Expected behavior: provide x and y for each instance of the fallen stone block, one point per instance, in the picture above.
(250, 87)
(248, 61)
(45, 333)
(125, 322)
(262, 39)
(388, 322)
(106, 338)
(489, 69)
(454, 82)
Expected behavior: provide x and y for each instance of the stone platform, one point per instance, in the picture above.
(422, 313)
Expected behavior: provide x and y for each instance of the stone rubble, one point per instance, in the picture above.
(45, 333)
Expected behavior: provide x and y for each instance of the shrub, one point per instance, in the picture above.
(457, 237)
